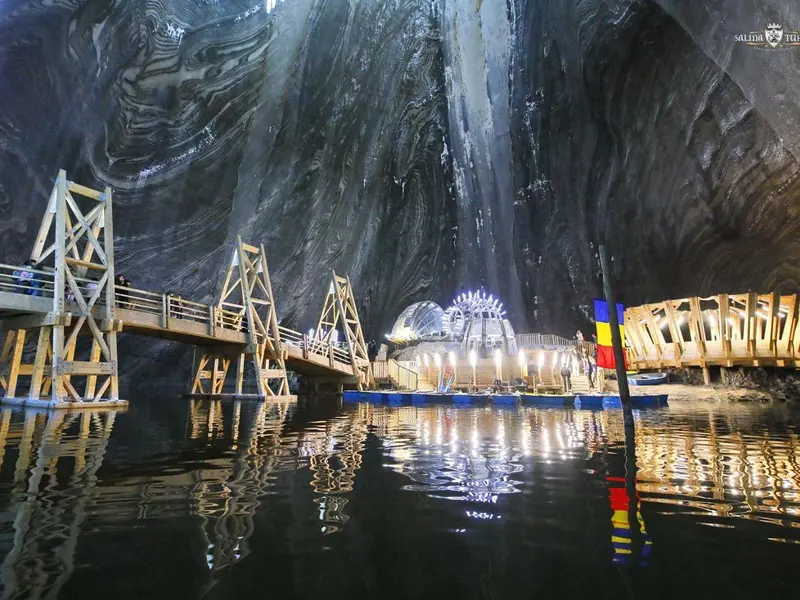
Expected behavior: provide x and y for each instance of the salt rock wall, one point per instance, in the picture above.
(421, 147)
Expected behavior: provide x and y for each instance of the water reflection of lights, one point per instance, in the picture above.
(718, 467)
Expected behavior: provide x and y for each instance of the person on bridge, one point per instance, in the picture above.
(26, 279)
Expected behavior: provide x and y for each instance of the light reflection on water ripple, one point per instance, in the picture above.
(224, 482)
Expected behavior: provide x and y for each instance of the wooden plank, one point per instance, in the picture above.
(82, 263)
(249, 248)
(773, 322)
(750, 325)
(91, 380)
(85, 367)
(725, 330)
(84, 191)
(15, 361)
(35, 321)
(699, 326)
(44, 227)
(110, 293)
(37, 374)
(240, 364)
(793, 320)
(675, 332)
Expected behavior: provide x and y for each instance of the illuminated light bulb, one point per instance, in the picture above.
(555, 358)
(522, 358)
(437, 359)
(730, 322)
(311, 333)
(712, 321)
(680, 320)
(541, 358)
(452, 357)
(498, 357)
(473, 357)
(425, 360)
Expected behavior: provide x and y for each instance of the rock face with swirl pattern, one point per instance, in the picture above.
(421, 147)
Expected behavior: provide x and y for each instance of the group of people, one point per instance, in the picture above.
(588, 364)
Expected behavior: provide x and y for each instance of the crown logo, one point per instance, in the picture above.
(774, 26)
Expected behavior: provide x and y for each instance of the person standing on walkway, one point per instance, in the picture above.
(590, 372)
(566, 375)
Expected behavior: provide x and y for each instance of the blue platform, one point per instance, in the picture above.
(595, 401)
(606, 401)
(547, 400)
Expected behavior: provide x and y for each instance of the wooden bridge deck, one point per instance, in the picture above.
(146, 313)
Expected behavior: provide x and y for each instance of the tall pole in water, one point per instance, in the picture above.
(616, 338)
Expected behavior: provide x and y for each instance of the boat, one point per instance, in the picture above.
(647, 379)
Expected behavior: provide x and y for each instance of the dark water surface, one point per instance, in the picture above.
(190, 499)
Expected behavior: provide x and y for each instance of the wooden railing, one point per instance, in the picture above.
(398, 375)
(536, 341)
(725, 330)
(26, 281)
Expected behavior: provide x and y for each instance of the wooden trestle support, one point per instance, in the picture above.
(77, 266)
(340, 307)
(247, 293)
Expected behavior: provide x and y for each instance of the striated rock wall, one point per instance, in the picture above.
(419, 146)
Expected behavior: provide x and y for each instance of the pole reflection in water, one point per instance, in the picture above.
(53, 448)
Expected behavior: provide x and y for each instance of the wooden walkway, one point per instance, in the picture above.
(67, 294)
(749, 330)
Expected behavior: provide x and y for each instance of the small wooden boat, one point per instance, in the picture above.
(647, 379)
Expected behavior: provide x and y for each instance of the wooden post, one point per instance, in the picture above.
(38, 363)
(750, 323)
(616, 338)
(725, 330)
(699, 327)
(165, 311)
(59, 391)
(15, 360)
(773, 323)
(240, 373)
(793, 320)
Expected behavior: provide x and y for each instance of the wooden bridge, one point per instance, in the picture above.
(68, 300)
(749, 330)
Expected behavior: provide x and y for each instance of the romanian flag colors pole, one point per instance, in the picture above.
(605, 345)
(616, 337)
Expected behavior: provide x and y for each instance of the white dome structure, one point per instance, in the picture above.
(420, 321)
